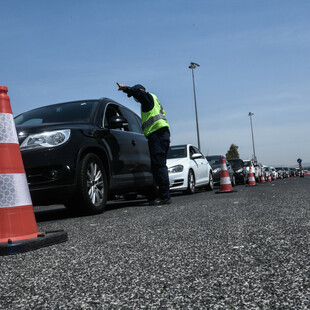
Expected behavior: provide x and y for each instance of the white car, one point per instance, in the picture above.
(249, 163)
(274, 173)
(188, 169)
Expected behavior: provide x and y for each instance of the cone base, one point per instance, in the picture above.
(44, 239)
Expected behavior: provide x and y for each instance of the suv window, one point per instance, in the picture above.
(133, 122)
(112, 110)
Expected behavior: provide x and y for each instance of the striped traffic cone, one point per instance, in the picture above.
(225, 183)
(262, 179)
(251, 180)
(18, 227)
(269, 177)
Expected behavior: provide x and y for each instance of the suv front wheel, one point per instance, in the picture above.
(92, 188)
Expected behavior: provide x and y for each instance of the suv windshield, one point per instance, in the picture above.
(80, 111)
(177, 152)
(247, 163)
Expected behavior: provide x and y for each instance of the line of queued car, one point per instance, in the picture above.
(83, 153)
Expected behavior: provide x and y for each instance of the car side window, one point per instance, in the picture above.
(198, 152)
(191, 151)
(112, 110)
(133, 124)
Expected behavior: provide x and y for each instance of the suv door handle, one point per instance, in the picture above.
(133, 142)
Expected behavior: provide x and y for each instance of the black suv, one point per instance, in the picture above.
(80, 153)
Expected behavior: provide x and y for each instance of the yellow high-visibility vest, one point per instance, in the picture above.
(154, 119)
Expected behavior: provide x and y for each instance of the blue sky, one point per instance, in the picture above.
(254, 55)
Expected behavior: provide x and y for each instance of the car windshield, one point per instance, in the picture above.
(247, 163)
(214, 160)
(177, 152)
(236, 164)
(278, 168)
(81, 111)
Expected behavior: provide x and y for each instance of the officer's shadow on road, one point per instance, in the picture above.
(60, 212)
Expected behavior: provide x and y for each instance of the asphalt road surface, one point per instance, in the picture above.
(244, 250)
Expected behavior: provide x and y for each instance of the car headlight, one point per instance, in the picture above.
(46, 139)
(176, 169)
(239, 170)
(216, 170)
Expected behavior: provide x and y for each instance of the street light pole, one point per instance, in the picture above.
(192, 66)
(250, 114)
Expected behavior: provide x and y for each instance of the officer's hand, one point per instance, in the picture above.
(121, 86)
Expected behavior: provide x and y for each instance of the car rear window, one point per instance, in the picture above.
(59, 113)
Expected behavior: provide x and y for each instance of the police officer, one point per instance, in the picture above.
(156, 129)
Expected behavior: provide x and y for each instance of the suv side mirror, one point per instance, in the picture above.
(115, 122)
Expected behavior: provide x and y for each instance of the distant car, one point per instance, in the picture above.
(258, 171)
(286, 172)
(280, 172)
(293, 172)
(188, 169)
(240, 171)
(249, 163)
(274, 173)
(267, 172)
(216, 163)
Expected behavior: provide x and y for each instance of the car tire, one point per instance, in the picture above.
(191, 183)
(92, 186)
(210, 185)
(233, 181)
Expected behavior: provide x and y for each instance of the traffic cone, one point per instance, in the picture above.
(18, 228)
(262, 179)
(251, 180)
(225, 183)
(269, 177)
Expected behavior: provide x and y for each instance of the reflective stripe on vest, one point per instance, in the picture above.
(150, 118)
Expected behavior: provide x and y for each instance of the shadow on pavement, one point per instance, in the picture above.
(60, 212)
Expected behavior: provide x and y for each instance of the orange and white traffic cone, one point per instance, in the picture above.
(251, 180)
(18, 227)
(262, 179)
(225, 183)
(269, 177)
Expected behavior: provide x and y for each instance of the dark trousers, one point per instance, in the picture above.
(159, 142)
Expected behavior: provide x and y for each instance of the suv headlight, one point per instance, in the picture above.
(239, 170)
(176, 169)
(46, 139)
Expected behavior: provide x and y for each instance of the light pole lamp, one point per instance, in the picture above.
(250, 114)
(192, 66)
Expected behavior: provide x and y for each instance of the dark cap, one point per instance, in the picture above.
(138, 86)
